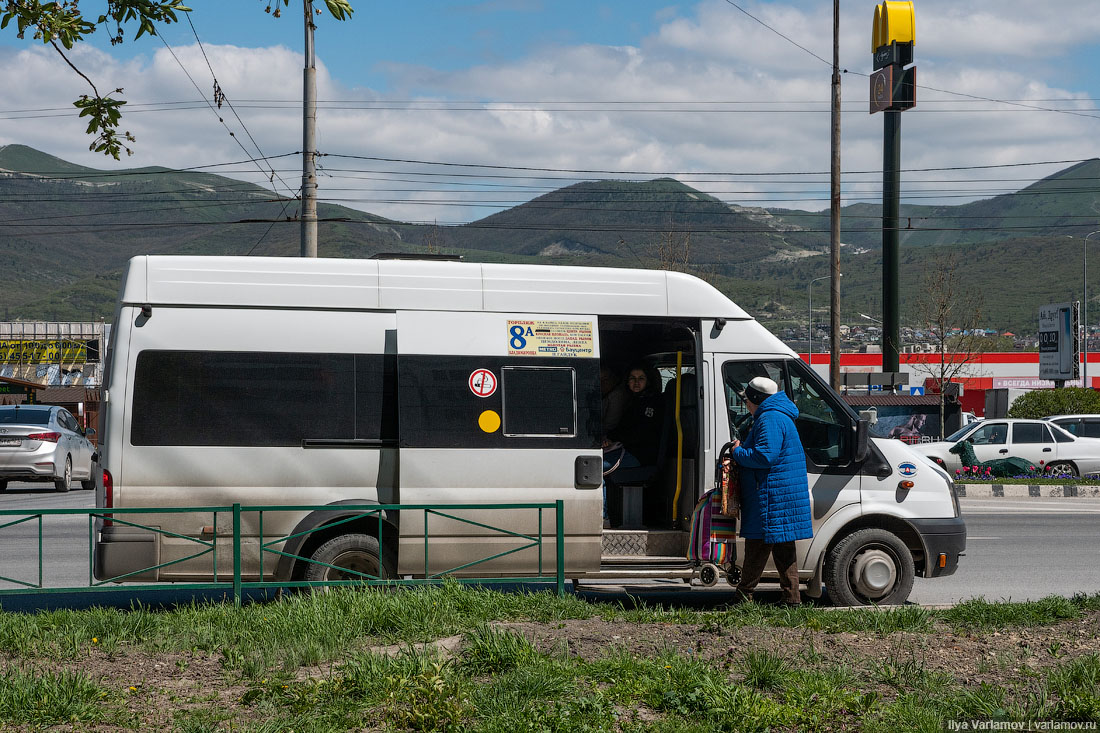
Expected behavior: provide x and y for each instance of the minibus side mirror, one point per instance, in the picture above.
(863, 442)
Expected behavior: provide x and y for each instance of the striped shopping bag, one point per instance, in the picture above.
(712, 535)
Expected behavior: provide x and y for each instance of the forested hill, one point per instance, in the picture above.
(68, 231)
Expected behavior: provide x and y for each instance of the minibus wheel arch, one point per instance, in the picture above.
(895, 525)
(325, 525)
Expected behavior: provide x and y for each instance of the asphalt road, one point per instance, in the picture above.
(1018, 549)
(1022, 549)
(65, 549)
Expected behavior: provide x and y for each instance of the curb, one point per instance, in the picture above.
(1015, 491)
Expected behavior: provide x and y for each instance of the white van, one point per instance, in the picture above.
(272, 381)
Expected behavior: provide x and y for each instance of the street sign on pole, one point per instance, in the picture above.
(1058, 347)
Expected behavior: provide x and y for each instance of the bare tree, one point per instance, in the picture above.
(434, 240)
(951, 313)
(673, 249)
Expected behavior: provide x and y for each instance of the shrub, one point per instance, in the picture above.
(1066, 401)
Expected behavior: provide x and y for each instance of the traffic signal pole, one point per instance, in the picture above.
(893, 90)
(891, 195)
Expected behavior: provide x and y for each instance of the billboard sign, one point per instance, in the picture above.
(49, 351)
(1058, 343)
(908, 423)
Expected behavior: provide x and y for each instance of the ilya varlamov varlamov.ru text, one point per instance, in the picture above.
(969, 725)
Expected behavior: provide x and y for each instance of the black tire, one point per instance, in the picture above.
(357, 552)
(1065, 467)
(869, 567)
(89, 484)
(62, 483)
(708, 575)
(4, 485)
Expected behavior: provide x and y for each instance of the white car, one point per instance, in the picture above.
(45, 443)
(1042, 444)
(1085, 426)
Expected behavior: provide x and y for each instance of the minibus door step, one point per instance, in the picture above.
(643, 544)
(638, 560)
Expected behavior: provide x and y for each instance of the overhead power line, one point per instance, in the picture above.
(660, 174)
(254, 159)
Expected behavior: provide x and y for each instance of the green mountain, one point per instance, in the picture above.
(1065, 203)
(68, 231)
(627, 220)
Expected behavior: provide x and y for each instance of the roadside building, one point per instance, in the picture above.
(65, 357)
(1012, 370)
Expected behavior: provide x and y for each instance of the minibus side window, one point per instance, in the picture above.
(539, 401)
(260, 399)
(825, 429)
(735, 375)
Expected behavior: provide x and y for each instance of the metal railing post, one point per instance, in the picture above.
(236, 553)
(560, 533)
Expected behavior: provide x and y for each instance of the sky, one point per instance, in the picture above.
(444, 111)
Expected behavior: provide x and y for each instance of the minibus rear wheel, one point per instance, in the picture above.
(869, 566)
(355, 552)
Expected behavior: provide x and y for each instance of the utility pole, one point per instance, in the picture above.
(309, 139)
(834, 214)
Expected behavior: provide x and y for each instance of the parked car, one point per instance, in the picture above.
(45, 443)
(1039, 442)
(1085, 426)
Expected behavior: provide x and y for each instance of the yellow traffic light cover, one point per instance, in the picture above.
(894, 21)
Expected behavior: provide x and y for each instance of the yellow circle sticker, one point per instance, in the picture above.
(489, 421)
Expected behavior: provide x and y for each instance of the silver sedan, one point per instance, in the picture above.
(45, 443)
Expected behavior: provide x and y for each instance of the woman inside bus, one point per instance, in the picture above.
(635, 442)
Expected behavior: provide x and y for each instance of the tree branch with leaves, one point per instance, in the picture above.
(61, 25)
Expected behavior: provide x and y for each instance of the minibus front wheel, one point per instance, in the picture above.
(350, 557)
(869, 566)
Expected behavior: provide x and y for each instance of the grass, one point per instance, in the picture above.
(53, 698)
(498, 680)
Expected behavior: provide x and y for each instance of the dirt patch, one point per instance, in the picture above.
(1000, 657)
(157, 688)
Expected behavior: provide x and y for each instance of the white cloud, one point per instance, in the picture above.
(709, 53)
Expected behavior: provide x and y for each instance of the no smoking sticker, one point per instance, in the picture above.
(483, 382)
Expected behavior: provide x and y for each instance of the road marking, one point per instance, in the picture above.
(1053, 506)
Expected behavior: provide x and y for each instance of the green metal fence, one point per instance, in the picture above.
(272, 547)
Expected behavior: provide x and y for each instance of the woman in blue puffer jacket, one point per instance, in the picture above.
(775, 494)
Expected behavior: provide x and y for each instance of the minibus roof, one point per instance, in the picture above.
(295, 282)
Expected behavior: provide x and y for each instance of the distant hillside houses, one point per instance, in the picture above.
(864, 337)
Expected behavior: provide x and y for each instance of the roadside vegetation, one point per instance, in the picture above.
(454, 658)
(1039, 403)
(1031, 477)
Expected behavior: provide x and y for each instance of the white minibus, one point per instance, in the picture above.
(342, 383)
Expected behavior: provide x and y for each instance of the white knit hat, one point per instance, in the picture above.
(759, 389)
